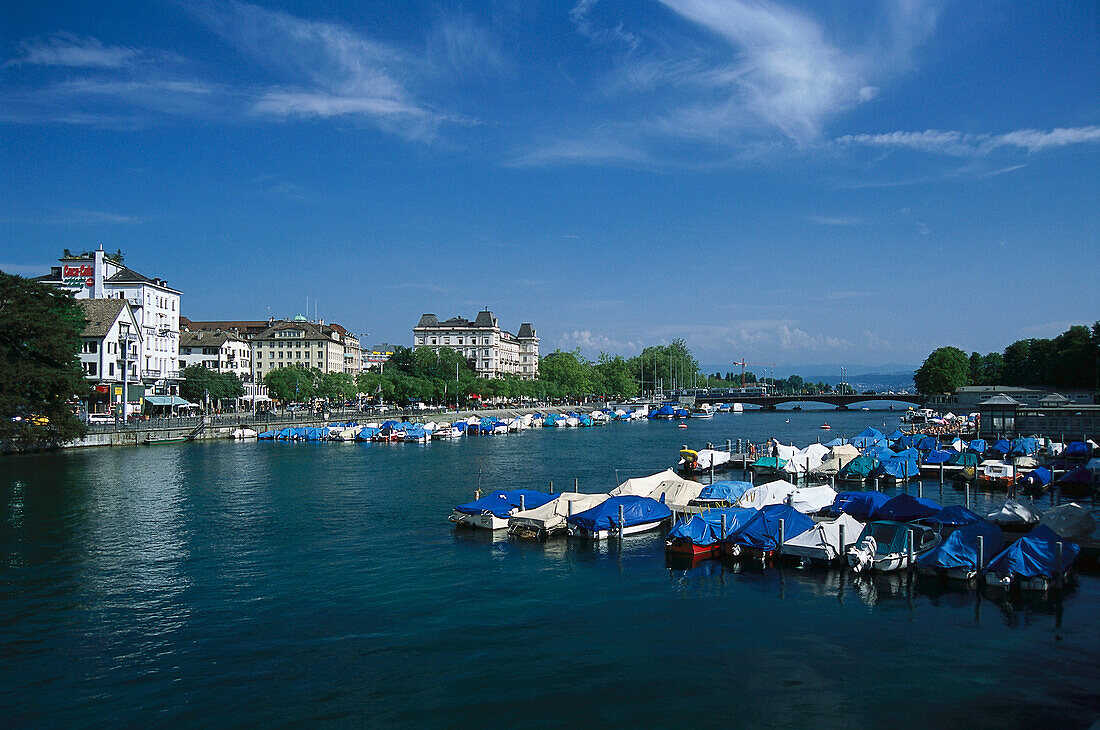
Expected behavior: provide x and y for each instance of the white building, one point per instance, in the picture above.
(224, 352)
(493, 351)
(98, 275)
(111, 323)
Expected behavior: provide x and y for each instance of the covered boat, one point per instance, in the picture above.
(811, 500)
(703, 459)
(825, 541)
(700, 534)
(860, 505)
(996, 472)
(804, 460)
(1015, 514)
(960, 556)
(767, 530)
(838, 458)
(768, 465)
(550, 518)
(638, 514)
(858, 469)
(898, 469)
(1035, 482)
(1036, 561)
(951, 518)
(1071, 521)
(492, 511)
(664, 412)
(720, 494)
(906, 508)
(762, 495)
(666, 487)
(1076, 482)
(885, 546)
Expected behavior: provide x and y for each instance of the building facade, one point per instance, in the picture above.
(224, 352)
(969, 397)
(99, 275)
(330, 348)
(493, 352)
(104, 356)
(375, 358)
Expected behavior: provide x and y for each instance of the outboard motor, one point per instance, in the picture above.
(864, 554)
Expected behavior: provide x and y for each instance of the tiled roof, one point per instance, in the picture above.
(101, 315)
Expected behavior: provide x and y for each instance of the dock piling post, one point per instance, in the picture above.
(876, 485)
(920, 489)
(967, 485)
(909, 547)
(941, 473)
(620, 522)
(574, 484)
(981, 553)
(1058, 573)
(840, 550)
(723, 525)
(522, 502)
(782, 535)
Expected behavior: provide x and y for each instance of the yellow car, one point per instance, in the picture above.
(40, 420)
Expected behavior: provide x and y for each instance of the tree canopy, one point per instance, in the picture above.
(40, 377)
(202, 385)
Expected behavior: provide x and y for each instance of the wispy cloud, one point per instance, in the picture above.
(330, 70)
(78, 217)
(846, 221)
(459, 46)
(967, 144)
(67, 49)
(579, 15)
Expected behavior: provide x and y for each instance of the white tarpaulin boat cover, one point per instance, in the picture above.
(823, 540)
(806, 459)
(785, 452)
(666, 486)
(764, 494)
(1071, 521)
(1015, 512)
(812, 499)
(552, 514)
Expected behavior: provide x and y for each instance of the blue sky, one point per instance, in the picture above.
(824, 182)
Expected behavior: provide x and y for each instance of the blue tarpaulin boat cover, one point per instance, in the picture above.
(706, 528)
(897, 434)
(910, 453)
(266, 435)
(1035, 478)
(1035, 554)
(907, 440)
(860, 505)
(1080, 475)
(1077, 449)
(762, 531)
(938, 457)
(1024, 447)
(905, 508)
(1000, 446)
(636, 511)
(366, 433)
(977, 446)
(862, 442)
(928, 443)
(898, 468)
(878, 451)
(960, 549)
(729, 491)
(956, 515)
(501, 502)
(870, 433)
(836, 442)
(665, 410)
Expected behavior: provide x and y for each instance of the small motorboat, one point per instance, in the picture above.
(492, 511)
(682, 425)
(1037, 561)
(703, 459)
(549, 519)
(962, 556)
(766, 532)
(885, 546)
(701, 535)
(241, 434)
(1015, 515)
(825, 427)
(627, 514)
(825, 542)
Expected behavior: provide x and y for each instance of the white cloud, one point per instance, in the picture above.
(66, 49)
(459, 46)
(331, 70)
(579, 16)
(967, 144)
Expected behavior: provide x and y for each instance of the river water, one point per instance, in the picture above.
(235, 584)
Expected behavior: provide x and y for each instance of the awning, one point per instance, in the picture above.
(166, 400)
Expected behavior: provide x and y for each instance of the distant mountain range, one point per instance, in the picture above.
(895, 381)
(891, 376)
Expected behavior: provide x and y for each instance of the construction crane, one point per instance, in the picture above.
(743, 364)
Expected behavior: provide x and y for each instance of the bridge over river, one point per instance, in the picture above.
(842, 402)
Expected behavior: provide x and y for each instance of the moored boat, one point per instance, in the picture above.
(492, 511)
(1037, 561)
(626, 515)
(886, 545)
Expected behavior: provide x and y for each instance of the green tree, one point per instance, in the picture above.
(289, 384)
(201, 385)
(976, 368)
(569, 370)
(991, 370)
(40, 335)
(944, 371)
(337, 386)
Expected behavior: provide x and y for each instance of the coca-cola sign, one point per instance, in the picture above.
(78, 275)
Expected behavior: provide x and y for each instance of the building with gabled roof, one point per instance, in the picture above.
(492, 352)
(98, 275)
(111, 324)
(328, 347)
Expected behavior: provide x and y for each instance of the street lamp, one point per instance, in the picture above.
(124, 341)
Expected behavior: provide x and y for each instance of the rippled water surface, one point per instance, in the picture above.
(238, 584)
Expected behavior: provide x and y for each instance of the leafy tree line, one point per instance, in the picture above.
(40, 377)
(1070, 360)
